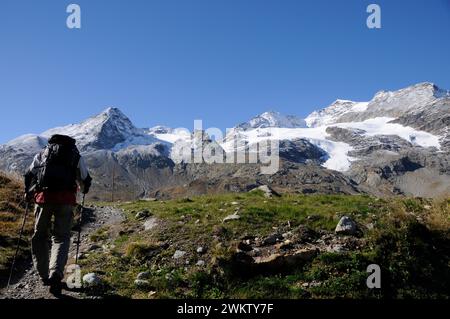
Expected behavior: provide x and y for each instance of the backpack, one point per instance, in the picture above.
(59, 165)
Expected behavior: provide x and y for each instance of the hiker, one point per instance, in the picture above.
(52, 182)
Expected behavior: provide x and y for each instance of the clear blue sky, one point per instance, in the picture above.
(223, 61)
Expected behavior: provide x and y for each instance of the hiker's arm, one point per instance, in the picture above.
(83, 178)
(30, 177)
(35, 165)
(32, 172)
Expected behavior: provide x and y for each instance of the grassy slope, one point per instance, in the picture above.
(410, 241)
(11, 214)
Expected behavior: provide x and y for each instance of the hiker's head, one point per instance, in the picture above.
(62, 140)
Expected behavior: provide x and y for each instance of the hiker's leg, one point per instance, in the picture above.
(61, 240)
(40, 243)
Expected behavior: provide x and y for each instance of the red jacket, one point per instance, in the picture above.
(60, 198)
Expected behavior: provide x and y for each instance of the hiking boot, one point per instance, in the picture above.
(45, 282)
(55, 286)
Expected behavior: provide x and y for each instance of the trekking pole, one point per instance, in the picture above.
(79, 229)
(18, 245)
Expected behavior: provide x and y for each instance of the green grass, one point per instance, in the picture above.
(409, 240)
(11, 216)
(260, 212)
(99, 235)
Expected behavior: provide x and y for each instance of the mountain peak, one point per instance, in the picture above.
(103, 131)
(270, 113)
(429, 87)
(420, 91)
(272, 119)
(426, 85)
(112, 111)
(334, 111)
(341, 101)
(413, 98)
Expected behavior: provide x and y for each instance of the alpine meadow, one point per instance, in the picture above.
(225, 156)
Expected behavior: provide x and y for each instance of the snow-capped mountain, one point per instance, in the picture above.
(16, 155)
(378, 118)
(27, 143)
(384, 145)
(333, 112)
(411, 99)
(169, 135)
(272, 119)
(338, 151)
(269, 119)
(395, 104)
(111, 129)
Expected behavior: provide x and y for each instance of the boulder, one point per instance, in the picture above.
(267, 191)
(143, 214)
(91, 280)
(346, 226)
(143, 275)
(179, 254)
(200, 263)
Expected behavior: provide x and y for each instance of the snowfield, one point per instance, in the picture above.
(339, 159)
(331, 113)
(174, 136)
(381, 126)
(337, 151)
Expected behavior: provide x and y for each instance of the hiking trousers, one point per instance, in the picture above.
(51, 240)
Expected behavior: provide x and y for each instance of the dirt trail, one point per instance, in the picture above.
(29, 286)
